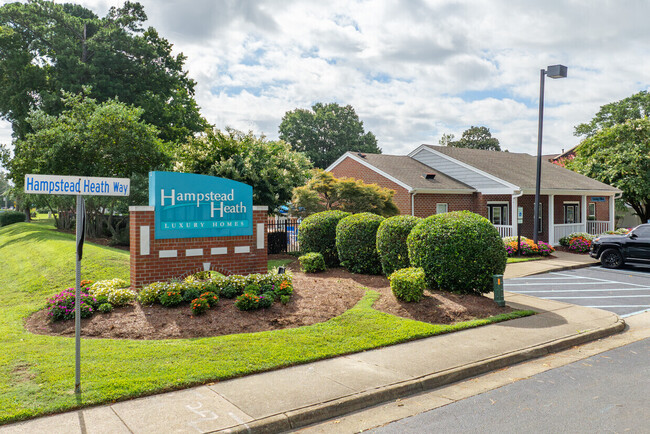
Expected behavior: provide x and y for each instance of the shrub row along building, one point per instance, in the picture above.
(437, 179)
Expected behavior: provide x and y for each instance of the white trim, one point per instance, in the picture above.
(242, 249)
(612, 213)
(260, 235)
(446, 207)
(448, 191)
(571, 202)
(369, 166)
(168, 254)
(583, 211)
(551, 219)
(498, 202)
(145, 241)
(219, 251)
(562, 192)
(194, 252)
(141, 208)
(513, 215)
(467, 166)
(260, 208)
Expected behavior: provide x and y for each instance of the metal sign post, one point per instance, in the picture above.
(77, 185)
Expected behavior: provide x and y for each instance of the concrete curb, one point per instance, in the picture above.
(304, 416)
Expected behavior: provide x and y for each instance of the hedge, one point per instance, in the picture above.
(391, 242)
(11, 217)
(356, 243)
(317, 233)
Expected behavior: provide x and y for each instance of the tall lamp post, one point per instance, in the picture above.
(554, 71)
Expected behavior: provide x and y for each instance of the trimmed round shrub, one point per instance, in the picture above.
(105, 308)
(230, 291)
(312, 262)
(408, 284)
(391, 242)
(266, 300)
(317, 233)
(459, 251)
(356, 242)
(190, 292)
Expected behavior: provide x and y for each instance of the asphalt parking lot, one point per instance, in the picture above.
(624, 291)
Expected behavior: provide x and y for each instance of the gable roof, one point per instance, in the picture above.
(520, 169)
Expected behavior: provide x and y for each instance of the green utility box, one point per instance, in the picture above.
(497, 285)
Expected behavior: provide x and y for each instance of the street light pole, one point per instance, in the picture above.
(554, 71)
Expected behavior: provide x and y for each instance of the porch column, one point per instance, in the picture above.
(551, 219)
(612, 214)
(513, 216)
(583, 213)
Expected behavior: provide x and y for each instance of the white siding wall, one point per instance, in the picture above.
(457, 171)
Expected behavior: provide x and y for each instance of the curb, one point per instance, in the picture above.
(304, 416)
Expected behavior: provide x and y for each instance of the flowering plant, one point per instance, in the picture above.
(199, 306)
(528, 247)
(62, 305)
(171, 297)
(211, 298)
(247, 301)
(580, 245)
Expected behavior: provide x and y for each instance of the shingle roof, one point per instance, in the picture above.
(520, 169)
(412, 172)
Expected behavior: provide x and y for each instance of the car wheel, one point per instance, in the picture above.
(611, 258)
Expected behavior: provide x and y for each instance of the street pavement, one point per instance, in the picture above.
(298, 396)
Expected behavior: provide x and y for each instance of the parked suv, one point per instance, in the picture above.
(614, 250)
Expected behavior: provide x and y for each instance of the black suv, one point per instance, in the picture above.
(614, 250)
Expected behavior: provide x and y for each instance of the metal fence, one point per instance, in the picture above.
(282, 234)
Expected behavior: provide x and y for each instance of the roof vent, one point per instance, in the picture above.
(430, 176)
(361, 155)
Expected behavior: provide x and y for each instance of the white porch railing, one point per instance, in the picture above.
(597, 227)
(505, 230)
(565, 229)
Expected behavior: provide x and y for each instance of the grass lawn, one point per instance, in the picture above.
(516, 259)
(37, 372)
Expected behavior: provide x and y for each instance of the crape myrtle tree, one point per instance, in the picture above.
(324, 192)
(326, 132)
(89, 138)
(47, 47)
(272, 168)
(474, 138)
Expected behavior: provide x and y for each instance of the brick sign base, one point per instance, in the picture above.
(155, 260)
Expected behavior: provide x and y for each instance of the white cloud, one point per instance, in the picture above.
(412, 70)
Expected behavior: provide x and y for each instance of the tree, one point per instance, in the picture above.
(620, 156)
(273, 169)
(48, 47)
(636, 106)
(90, 139)
(326, 132)
(325, 192)
(473, 137)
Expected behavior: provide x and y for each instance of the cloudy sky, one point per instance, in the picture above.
(413, 70)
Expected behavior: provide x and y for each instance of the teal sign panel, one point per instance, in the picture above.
(193, 206)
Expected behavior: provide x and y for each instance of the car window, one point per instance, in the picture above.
(642, 231)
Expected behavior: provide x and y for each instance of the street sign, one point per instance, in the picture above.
(520, 214)
(83, 185)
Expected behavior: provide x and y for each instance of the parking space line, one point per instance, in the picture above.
(577, 290)
(600, 296)
(635, 313)
(604, 282)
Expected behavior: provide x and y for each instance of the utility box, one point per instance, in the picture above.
(497, 285)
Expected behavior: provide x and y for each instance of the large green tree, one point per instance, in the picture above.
(46, 47)
(473, 137)
(619, 155)
(272, 168)
(324, 192)
(636, 106)
(89, 138)
(326, 132)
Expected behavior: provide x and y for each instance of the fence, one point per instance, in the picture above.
(282, 234)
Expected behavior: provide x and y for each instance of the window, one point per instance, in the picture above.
(498, 213)
(592, 211)
(441, 208)
(571, 213)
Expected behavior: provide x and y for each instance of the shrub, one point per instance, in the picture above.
(100, 300)
(253, 288)
(356, 242)
(211, 298)
(121, 296)
(229, 291)
(408, 284)
(105, 308)
(391, 242)
(190, 292)
(528, 247)
(116, 291)
(171, 297)
(247, 301)
(459, 251)
(284, 299)
(312, 262)
(86, 283)
(284, 289)
(566, 241)
(199, 306)
(619, 231)
(266, 300)
(62, 305)
(11, 217)
(150, 294)
(317, 233)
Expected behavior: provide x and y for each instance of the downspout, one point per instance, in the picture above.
(413, 193)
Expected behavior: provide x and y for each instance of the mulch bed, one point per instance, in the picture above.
(316, 298)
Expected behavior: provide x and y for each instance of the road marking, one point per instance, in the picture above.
(579, 283)
(598, 296)
(578, 290)
(635, 313)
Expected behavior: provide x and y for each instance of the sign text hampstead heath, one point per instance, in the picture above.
(192, 206)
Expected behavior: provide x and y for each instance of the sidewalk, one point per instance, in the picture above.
(298, 396)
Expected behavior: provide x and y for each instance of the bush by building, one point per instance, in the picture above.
(356, 243)
(317, 233)
(391, 242)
